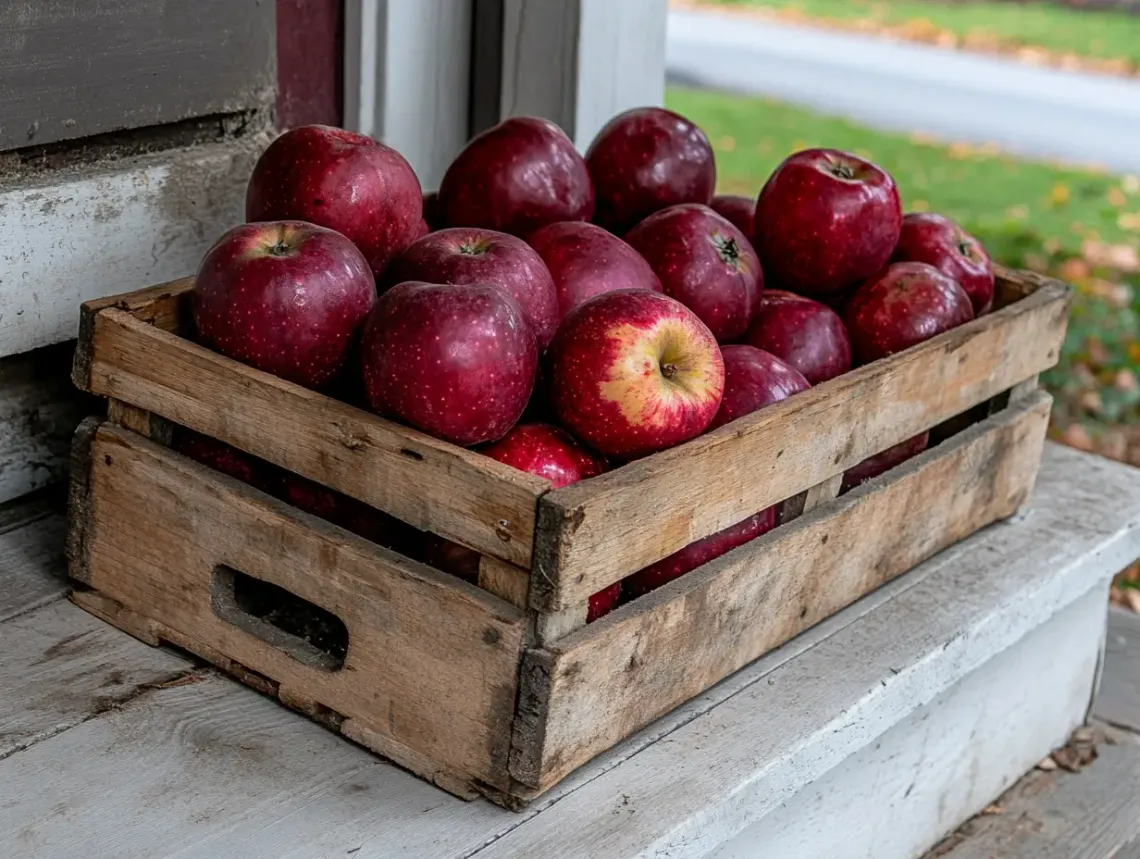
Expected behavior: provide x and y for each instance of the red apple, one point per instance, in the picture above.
(422, 230)
(753, 379)
(875, 465)
(697, 554)
(906, 304)
(740, 210)
(286, 297)
(938, 241)
(451, 558)
(826, 220)
(802, 333)
(645, 160)
(518, 176)
(228, 460)
(474, 255)
(545, 451)
(342, 180)
(705, 263)
(633, 371)
(603, 602)
(586, 261)
(457, 362)
(431, 211)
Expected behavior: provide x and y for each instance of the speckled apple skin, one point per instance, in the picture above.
(803, 333)
(697, 554)
(294, 315)
(342, 180)
(645, 160)
(607, 373)
(515, 177)
(705, 263)
(906, 304)
(457, 362)
(818, 233)
(475, 255)
(753, 379)
(586, 261)
(739, 210)
(880, 463)
(938, 241)
(546, 451)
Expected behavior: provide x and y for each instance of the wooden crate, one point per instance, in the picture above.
(503, 689)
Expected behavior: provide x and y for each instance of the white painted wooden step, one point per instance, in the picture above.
(872, 735)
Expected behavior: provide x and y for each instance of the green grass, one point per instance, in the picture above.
(1108, 35)
(1028, 214)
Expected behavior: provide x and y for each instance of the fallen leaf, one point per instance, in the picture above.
(920, 205)
(1117, 197)
(1074, 270)
(1076, 436)
(1125, 380)
(1131, 184)
(1047, 765)
(726, 143)
(1019, 212)
(1132, 597)
(1129, 221)
(1060, 194)
(992, 809)
(1124, 258)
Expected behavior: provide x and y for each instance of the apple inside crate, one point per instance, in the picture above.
(498, 685)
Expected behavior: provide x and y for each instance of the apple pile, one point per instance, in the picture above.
(564, 314)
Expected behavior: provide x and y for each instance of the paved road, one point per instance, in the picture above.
(1074, 117)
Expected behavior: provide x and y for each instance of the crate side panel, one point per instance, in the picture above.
(432, 485)
(594, 533)
(432, 663)
(589, 691)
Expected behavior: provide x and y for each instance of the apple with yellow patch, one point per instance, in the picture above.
(633, 371)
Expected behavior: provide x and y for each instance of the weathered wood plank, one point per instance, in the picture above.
(70, 70)
(31, 565)
(725, 766)
(593, 533)
(60, 666)
(39, 410)
(213, 770)
(1119, 699)
(103, 230)
(428, 662)
(458, 494)
(1089, 814)
(586, 692)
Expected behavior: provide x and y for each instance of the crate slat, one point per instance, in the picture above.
(596, 532)
(586, 692)
(428, 483)
(431, 666)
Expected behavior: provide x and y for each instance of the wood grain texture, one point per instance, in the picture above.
(75, 235)
(212, 770)
(583, 693)
(1089, 814)
(38, 413)
(716, 767)
(594, 533)
(69, 70)
(60, 666)
(1119, 700)
(431, 662)
(432, 485)
(31, 565)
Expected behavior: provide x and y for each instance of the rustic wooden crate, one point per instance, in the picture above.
(503, 689)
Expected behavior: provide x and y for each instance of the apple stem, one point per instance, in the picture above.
(668, 370)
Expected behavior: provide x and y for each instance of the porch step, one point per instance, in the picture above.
(1093, 813)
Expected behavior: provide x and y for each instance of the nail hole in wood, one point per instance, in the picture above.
(107, 459)
(310, 634)
(412, 454)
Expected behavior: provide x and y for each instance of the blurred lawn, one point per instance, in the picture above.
(1080, 225)
(1101, 34)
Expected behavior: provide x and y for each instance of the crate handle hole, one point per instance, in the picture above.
(310, 634)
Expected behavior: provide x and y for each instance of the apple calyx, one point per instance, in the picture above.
(279, 249)
(668, 370)
(475, 248)
(842, 170)
(727, 248)
(966, 249)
